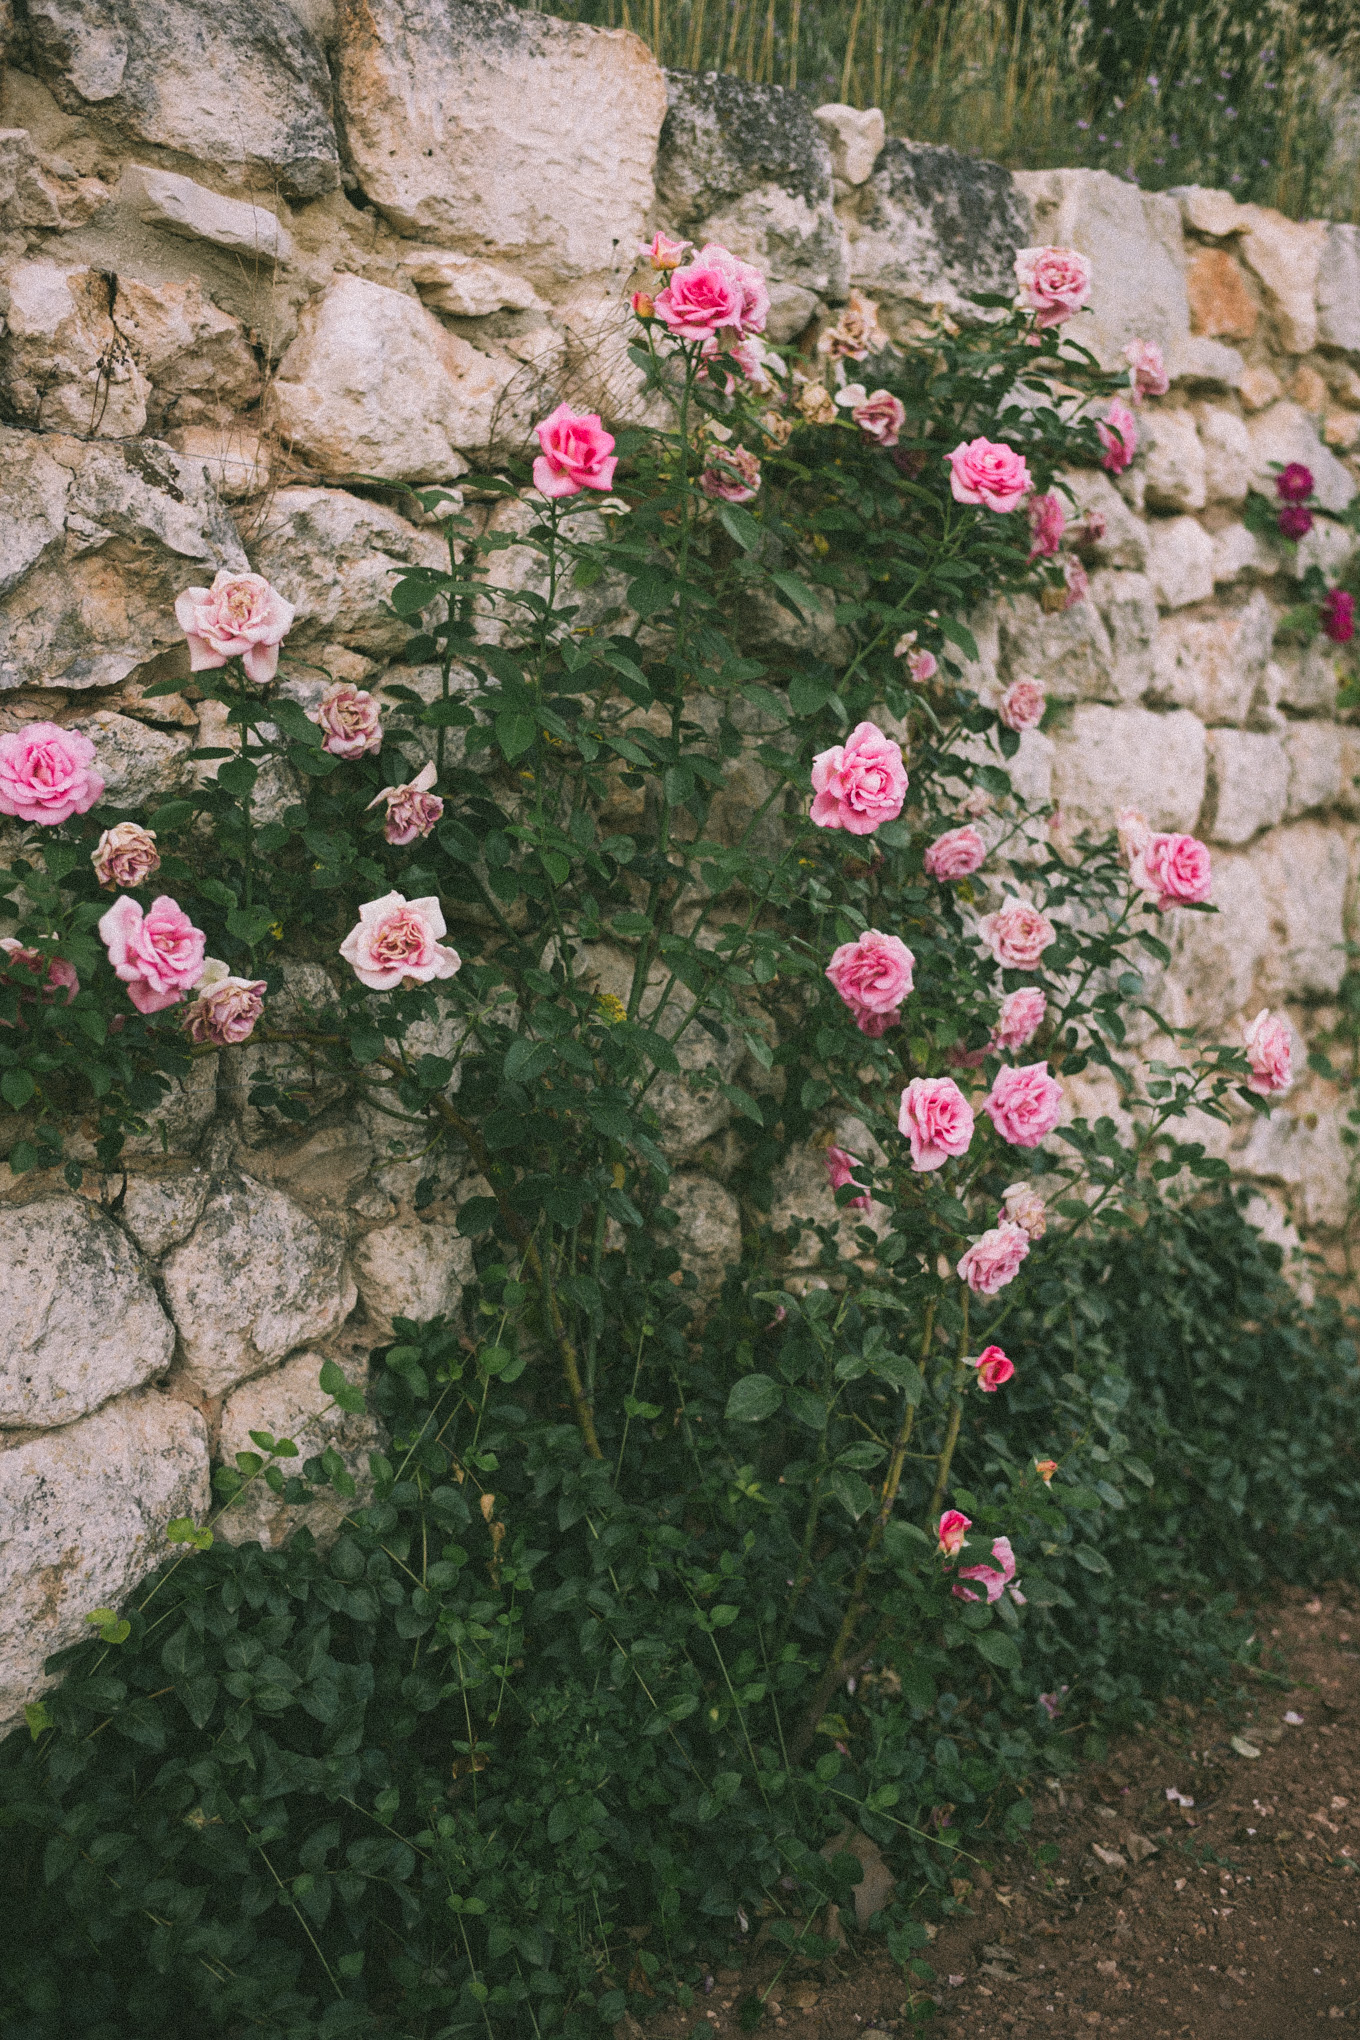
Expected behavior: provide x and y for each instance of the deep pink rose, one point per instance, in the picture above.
(994, 1369)
(1054, 283)
(1047, 523)
(922, 666)
(412, 810)
(225, 1011)
(1024, 1104)
(986, 472)
(1270, 1051)
(577, 453)
(872, 974)
(53, 973)
(881, 417)
(45, 774)
(755, 296)
(860, 784)
(956, 854)
(712, 294)
(125, 855)
(239, 617)
(1174, 870)
(952, 1529)
(995, 1259)
(1022, 1015)
(732, 475)
(840, 1168)
(1294, 483)
(1022, 1205)
(1295, 521)
(1338, 616)
(1017, 934)
(351, 719)
(157, 954)
(1147, 370)
(1022, 705)
(995, 1578)
(937, 1119)
(1118, 433)
(663, 252)
(395, 942)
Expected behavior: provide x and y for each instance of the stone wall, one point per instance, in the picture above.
(254, 252)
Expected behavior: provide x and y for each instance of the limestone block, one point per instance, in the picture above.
(177, 1123)
(1258, 387)
(709, 1235)
(62, 364)
(96, 540)
(1133, 240)
(32, 197)
(334, 557)
(803, 1196)
(749, 166)
(1284, 433)
(1285, 255)
(690, 1112)
(234, 459)
(1221, 306)
(1238, 554)
(240, 84)
(1174, 461)
(1314, 753)
(1214, 664)
(163, 199)
(931, 227)
(1348, 798)
(1110, 758)
(80, 1318)
(161, 1207)
(501, 133)
(1031, 769)
(1125, 543)
(1249, 779)
(196, 355)
(415, 1271)
(324, 1168)
(255, 1278)
(1227, 455)
(1328, 545)
(1205, 364)
(373, 384)
(1303, 874)
(83, 1513)
(1129, 609)
(465, 286)
(1209, 210)
(1180, 561)
(1338, 290)
(289, 1402)
(1070, 653)
(854, 138)
(138, 763)
(1214, 957)
(1303, 1151)
(1305, 678)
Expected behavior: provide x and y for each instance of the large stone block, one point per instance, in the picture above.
(415, 1271)
(1221, 305)
(1248, 785)
(1214, 957)
(1338, 290)
(854, 138)
(1285, 255)
(181, 207)
(502, 133)
(1111, 758)
(1125, 543)
(1303, 873)
(137, 763)
(1133, 241)
(161, 1206)
(1128, 608)
(1214, 664)
(1284, 433)
(1070, 653)
(289, 1402)
(335, 558)
(931, 227)
(1173, 461)
(83, 1513)
(79, 1319)
(1180, 561)
(1303, 1150)
(709, 1234)
(1314, 752)
(1227, 455)
(239, 84)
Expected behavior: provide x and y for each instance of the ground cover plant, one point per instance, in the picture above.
(656, 1591)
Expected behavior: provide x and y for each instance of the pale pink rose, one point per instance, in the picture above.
(663, 252)
(1270, 1051)
(750, 358)
(755, 295)
(125, 855)
(1174, 870)
(994, 1369)
(976, 803)
(840, 1168)
(860, 784)
(922, 666)
(225, 1011)
(1024, 1104)
(239, 617)
(45, 774)
(956, 854)
(1022, 705)
(396, 942)
(1118, 433)
(1134, 834)
(873, 973)
(732, 475)
(952, 1529)
(54, 973)
(1054, 283)
(1017, 934)
(994, 1260)
(157, 954)
(412, 810)
(937, 1120)
(1077, 585)
(1147, 370)
(881, 417)
(1021, 1204)
(1047, 523)
(1021, 1017)
(995, 1578)
(351, 719)
(577, 453)
(986, 472)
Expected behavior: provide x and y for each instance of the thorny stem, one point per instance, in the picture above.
(951, 1436)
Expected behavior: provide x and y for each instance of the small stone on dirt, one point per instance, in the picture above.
(1111, 1858)
(1139, 1848)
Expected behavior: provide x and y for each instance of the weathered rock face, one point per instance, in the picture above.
(932, 227)
(1133, 239)
(335, 558)
(1109, 758)
(290, 1403)
(708, 1237)
(180, 206)
(415, 1271)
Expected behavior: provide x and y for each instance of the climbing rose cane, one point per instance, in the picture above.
(46, 774)
(157, 954)
(860, 784)
(240, 617)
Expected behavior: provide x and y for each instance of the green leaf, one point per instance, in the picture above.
(740, 525)
(798, 592)
(808, 694)
(17, 1087)
(752, 1399)
(1094, 1562)
(960, 635)
(476, 1216)
(238, 776)
(514, 734)
(998, 1649)
(250, 924)
(337, 1385)
(853, 1493)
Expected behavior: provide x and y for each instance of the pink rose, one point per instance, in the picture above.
(860, 784)
(995, 1581)
(995, 1259)
(994, 1369)
(412, 810)
(755, 296)
(1147, 370)
(158, 955)
(395, 942)
(1077, 585)
(953, 1528)
(239, 617)
(1294, 483)
(54, 973)
(1054, 283)
(125, 855)
(1338, 615)
(1118, 433)
(956, 854)
(985, 472)
(351, 720)
(1046, 1468)
(881, 417)
(922, 666)
(663, 252)
(1270, 1051)
(1022, 1205)
(1022, 1015)
(226, 1009)
(714, 293)
(1174, 870)
(875, 1025)
(872, 974)
(1134, 834)
(45, 774)
(577, 453)
(937, 1119)
(1017, 934)
(1022, 705)
(1047, 523)
(1024, 1104)
(1295, 521)
(732, 475)
(644, 306)
(840, 1168)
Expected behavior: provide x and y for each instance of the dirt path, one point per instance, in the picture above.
(1235, 1918)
